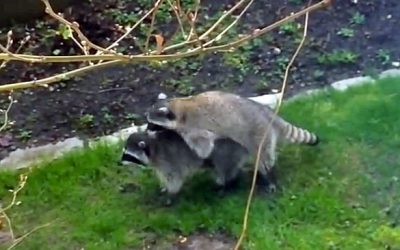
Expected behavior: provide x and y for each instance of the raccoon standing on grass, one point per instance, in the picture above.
(221, 114)
(174, 162)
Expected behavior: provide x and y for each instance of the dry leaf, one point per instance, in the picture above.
(160, 43)
(190, 16)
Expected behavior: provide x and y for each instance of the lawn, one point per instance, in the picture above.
(342, 194)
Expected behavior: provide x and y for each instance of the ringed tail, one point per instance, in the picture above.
(299, 135)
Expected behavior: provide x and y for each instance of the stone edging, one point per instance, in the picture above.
(22, 158)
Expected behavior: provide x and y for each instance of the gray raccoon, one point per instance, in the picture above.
(222, 114)
(174, 162)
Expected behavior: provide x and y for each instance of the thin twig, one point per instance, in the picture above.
(56, 78)
(115, 59)
(10, 226)
(219, 36)
(9, 44)
(5, 122)
(206, 33)
(22, 43)
(178, 18)
(84, 50)
(23, 178)
(16, 56)
(74, 26)
(221, 19)
(188, 53)
(192, 22)
(256, 167)
(101, 91)
(116, 42)
(153, 19)
(20, 239)
(3, 211)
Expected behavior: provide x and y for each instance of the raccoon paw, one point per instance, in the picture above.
(128, 188)
(169, 200)
(163, 190)
(271, 188)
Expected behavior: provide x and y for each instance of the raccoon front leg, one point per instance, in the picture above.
(172, 185)
(200, 141)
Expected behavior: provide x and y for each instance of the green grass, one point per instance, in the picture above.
(333, 195)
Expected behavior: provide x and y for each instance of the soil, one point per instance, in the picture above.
(196, 241)
(106, 100)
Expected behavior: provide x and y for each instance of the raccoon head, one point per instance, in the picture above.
(136, 150)
(160, 114)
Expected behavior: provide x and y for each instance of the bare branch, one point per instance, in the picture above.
(5, 122)
(153, 19)
(9, 224)
(75, 26)
(56, 78)
(114, 59)
(16, 56)
(256, 167)
(175, 9)
(192, 21)
(219, 36)
(114, 44)
(20, 239)
(3, 211)
(221, 19)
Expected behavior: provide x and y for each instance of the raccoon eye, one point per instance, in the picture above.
(163, 110)
(142, 144)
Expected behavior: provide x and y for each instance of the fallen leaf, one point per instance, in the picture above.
(160, 43)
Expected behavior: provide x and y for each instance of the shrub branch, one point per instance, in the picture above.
(112, 58)
(260, 147)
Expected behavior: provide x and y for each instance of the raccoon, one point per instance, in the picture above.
(174, 162)
(222, 114)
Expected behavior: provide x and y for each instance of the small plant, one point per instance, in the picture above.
(182, 86)
(238, 59)
(337, 57)
(86, 121)
(261, 85)
(384, 56)
(282, 63)
(24, 134)
(357, 18)
(318, 74)
(132, 116)
(289, 28)
(346, 32)
(123, 18)
(108, 118)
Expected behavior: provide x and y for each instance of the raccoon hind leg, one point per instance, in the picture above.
(267, 178)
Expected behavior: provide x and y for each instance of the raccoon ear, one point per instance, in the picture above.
(142, 144)
(163, 110)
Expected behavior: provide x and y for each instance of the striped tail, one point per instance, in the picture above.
(299, 135)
